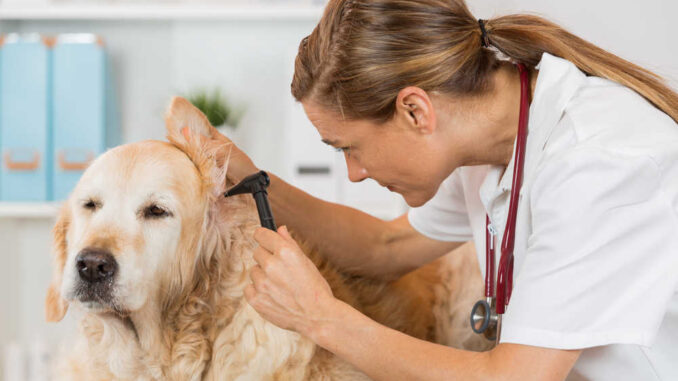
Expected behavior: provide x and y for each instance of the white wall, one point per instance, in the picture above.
(641, 32)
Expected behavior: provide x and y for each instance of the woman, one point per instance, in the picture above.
(417, 96)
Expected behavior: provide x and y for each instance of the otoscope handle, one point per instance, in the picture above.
(256, 184)
(264, 209)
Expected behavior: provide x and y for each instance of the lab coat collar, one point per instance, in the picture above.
(557, 82)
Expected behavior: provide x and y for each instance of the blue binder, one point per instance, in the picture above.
(24, 118)
(79, 96)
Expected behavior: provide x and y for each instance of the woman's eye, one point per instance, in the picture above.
(155, 211)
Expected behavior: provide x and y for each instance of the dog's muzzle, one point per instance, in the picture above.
(97, 269)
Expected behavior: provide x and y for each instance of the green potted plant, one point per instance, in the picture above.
(220, 113)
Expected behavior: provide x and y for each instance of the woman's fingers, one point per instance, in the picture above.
(263, 258)
(270, 240)
(286, 234)
(258, 278)
(250, 293)
(287, 287)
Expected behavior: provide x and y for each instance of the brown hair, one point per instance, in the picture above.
(363, 52)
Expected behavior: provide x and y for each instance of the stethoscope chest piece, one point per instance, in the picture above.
(484, 319)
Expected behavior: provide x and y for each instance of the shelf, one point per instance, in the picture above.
(229, 11)
(29, 209)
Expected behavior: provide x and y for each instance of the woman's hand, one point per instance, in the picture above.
(287, 288)
(225, 151)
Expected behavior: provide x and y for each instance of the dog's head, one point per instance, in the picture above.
(141, 223)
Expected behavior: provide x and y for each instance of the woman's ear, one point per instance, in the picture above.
(55, 305)
(414, 106)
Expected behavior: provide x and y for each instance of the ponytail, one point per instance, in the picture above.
(524, 38)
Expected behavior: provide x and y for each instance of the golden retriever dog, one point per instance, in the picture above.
(154, 260)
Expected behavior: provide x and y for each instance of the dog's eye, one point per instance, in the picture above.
(90, 205)
(155, 211)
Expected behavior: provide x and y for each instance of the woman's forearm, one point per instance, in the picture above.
(386, 354)
(351, 239)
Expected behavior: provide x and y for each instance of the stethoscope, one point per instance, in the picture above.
(486, 314)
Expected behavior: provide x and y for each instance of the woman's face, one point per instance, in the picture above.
(409, 157)
(428, 137)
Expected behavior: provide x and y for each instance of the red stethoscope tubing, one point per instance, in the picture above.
(505, 271)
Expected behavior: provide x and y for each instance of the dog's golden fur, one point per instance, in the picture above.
(177, 309)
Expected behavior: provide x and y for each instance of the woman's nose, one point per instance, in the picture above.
(356, 173)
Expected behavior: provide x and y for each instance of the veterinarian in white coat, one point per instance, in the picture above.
(414, 94)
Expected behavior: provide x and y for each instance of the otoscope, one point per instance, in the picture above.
(256, 184)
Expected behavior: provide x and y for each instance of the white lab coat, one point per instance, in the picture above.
(596, 250)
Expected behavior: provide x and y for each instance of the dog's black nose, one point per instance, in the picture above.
(95, 265)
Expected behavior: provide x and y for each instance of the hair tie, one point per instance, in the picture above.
(484, 40)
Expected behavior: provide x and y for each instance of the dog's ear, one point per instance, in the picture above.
(189, 130)
(55, 305)
(185, 122)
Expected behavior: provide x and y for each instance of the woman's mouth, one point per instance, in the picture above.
(390, 187)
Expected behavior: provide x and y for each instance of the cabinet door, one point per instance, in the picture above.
(24, 118)
(79, 99)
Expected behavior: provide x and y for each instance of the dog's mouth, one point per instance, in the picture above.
(98, 298)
